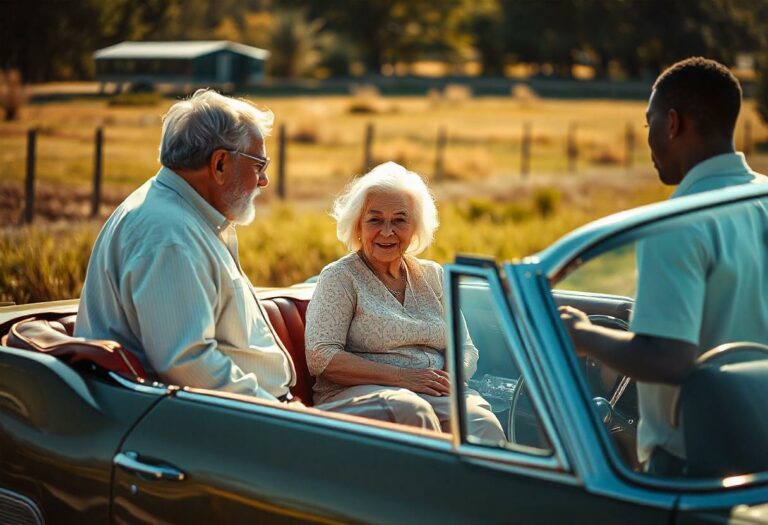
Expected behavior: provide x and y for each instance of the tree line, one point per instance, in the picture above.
(54, 39)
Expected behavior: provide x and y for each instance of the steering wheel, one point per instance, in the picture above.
(607, 385)
(608, 388)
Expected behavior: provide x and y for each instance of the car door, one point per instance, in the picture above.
(597, 264)
(59, 430)
(549, 431)
(201, 458)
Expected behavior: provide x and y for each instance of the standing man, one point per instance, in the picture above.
(164, 278)
(701, 285)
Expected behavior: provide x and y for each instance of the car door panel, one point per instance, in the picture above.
(58, 433)
(247, 466)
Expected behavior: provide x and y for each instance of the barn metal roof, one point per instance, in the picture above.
(179, 49)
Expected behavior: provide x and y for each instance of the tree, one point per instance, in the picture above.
(294, 43)
(761, 88)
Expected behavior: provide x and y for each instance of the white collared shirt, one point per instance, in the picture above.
(705, 283)
(165, 281)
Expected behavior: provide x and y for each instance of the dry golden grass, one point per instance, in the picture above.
(327, 140)
(286, 245)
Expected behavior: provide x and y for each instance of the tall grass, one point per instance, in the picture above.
(285, 246)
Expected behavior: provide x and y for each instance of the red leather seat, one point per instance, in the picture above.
(52, 337)
(287, 317)
(286, 308)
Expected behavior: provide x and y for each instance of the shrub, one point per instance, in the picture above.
(457, 93)
(605, 157)
(475, 164)
(147, 98)
(523, 94)
(546, 200)
(365, 99)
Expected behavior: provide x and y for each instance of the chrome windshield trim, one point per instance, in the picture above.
(554, 259)
(145, 388)
(317, 420)
(558, 460)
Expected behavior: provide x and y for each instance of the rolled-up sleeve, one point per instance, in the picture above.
(329, 315)
(173, 295)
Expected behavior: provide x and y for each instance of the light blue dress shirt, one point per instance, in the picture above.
(705, 283)
(165, 281)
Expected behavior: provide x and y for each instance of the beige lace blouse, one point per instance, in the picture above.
(351, 310)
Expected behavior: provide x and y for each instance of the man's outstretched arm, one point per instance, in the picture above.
(643, 357)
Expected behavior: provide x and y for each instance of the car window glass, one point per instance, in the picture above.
(492, 381)
(613, 272)
(700, 277)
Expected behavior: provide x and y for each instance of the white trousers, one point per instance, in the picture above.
(420, 410)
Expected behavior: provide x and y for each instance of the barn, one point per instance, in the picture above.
(218, 63)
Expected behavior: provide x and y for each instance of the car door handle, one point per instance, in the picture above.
(130, 462)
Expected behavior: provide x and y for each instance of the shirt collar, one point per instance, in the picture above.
(176, 183)
(717, 166)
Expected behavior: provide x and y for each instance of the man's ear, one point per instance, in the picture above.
(216, 164)
(674, 124)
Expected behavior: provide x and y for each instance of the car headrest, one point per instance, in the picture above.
(50, 337)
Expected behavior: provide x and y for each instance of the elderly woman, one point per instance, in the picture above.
(375, 323)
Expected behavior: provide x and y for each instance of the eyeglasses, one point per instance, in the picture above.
(263, 161)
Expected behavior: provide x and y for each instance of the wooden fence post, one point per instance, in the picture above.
(97, 171)
(746, 147)
(630, 146)
(281, 168)
(29, 185)
(525, 150)
(440, 153)
(368, 152)
(572, 150)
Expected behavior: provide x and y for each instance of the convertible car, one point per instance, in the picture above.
(87, 437)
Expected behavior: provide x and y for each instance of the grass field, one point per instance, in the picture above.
(485, 206)
(326, 139)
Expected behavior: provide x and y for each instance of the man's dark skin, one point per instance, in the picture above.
(677, 145)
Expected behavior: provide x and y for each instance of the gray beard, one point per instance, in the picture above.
(242, 207)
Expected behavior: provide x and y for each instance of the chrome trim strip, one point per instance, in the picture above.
(522, 461)
(753, 495)
(25, 502)
(705, 487)
(263, 409)
(145, 388)
(520, 470)
(518, 354)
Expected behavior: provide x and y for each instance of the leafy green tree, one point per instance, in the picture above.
(294, 44)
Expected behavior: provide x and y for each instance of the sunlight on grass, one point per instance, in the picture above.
(285, 246)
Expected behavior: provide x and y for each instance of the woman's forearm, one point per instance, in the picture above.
(349, 370)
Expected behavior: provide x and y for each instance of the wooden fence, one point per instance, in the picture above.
(442, 142)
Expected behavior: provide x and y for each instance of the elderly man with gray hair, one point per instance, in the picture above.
(164, 278)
